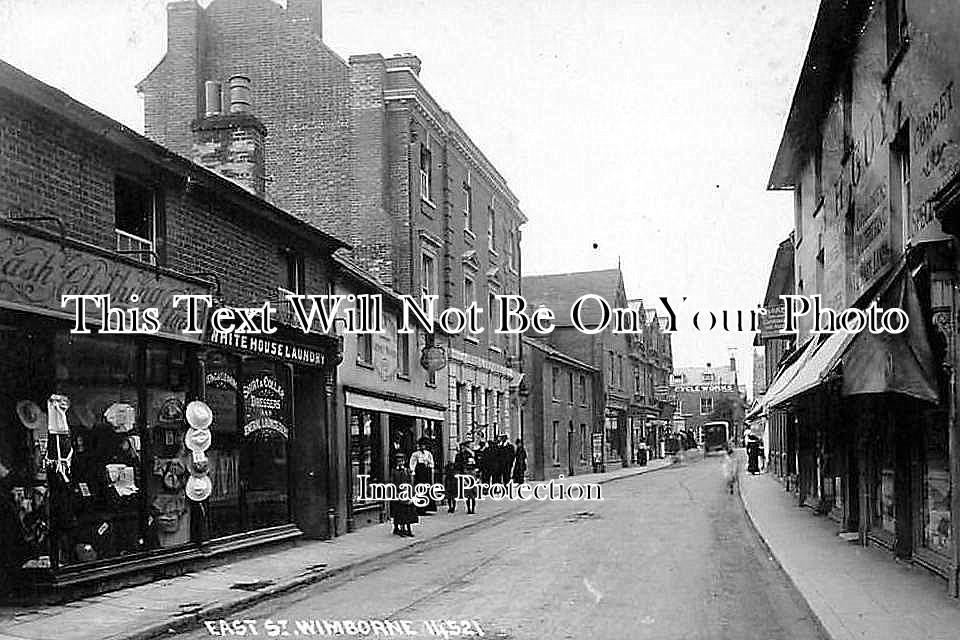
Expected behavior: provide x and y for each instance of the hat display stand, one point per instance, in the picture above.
(197, 440)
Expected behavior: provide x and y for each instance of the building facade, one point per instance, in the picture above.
(559, 413)
(383, 397)
(103, 496)
(870, 153)
(361, 148)
(703, 393)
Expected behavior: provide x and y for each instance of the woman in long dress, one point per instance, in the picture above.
(519, 463)
(403, 512)
(421, 465)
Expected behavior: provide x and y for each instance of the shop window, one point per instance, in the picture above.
(365, 455)
(883, 494)
(135, 209)
(937, 531)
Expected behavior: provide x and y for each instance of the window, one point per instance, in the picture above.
(403, 354)
(613, 372)
(570, 385)
(897, 29)
(295, 282)
(475, 413)
(135, 209)
(469, 291)
(511, 249)
(428, 274)
(488, 410)
(492, 225)
(620, 372)
(556, 442)
(583, 443)
(426, 172)
(493, 336)
(365, 456)
(365, 348)
(706, 406)
(708, 377)
(798, 214)
(583, 390)
(555, 387)
(900, 182)
(467, 204)
(636, 380)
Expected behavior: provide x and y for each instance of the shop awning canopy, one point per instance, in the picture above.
(870, 362)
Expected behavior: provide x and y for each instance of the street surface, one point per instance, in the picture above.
(666, 555)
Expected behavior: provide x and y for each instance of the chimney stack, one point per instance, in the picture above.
(231, 142)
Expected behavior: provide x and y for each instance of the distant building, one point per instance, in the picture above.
(701, 391)
(560, 412)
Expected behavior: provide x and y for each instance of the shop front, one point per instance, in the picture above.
(104, 478)
(380, 427)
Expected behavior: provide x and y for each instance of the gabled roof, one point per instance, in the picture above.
(76, 114)
(694, 375)
(781, 279)
(556, 354)
(559, 291)
(835, 35)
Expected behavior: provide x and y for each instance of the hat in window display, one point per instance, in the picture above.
(32, 416)
(170, 411)
(121, 415)
(174, 475)
(199, 415)
(57, 406)
(197, 439)
(199, 488)
(198, 463)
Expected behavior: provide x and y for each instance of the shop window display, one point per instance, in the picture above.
(884, 498)
(365, 448)
(937, 532)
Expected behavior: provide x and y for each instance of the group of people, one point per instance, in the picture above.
(491, 462)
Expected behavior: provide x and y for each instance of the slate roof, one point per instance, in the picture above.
(560, 290)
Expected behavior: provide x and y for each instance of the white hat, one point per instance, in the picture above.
(197, 440)
(121, 415)
(199, 415)
(199, 488)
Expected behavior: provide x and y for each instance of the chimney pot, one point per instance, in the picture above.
(239, 94)
(211, 95)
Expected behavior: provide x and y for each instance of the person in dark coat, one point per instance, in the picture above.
(403, 511)
(753, 454)
(519, 463)
(488, 466)
(450, 486)
(507, 453)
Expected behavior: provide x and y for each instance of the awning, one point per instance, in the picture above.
(360, 401)
(775, 391)
(871, 363)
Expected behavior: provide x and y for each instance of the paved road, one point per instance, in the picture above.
(666, 555)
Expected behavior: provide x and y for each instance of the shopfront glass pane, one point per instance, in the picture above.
(220, 384)
(264, 470)
(937, 532)
(99, 510)
(365, 449)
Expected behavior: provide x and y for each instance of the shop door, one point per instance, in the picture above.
(264, 453)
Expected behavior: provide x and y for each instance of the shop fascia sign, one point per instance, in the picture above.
(36, 273)
(701, 388)
(266, 346)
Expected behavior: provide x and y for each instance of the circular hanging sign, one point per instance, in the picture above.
(433, 358)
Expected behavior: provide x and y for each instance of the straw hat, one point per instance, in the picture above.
(197, 440)
(31, 415)
(199, 415)
(199, 488)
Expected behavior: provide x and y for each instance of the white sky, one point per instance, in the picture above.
(647, 127)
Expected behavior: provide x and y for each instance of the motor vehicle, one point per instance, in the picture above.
(716, 435)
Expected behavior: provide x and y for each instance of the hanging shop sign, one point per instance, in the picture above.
(264, 407)
(433, 358)
(269, 347)
(36, 272)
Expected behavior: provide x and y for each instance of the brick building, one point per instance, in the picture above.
(870, 152)
(361, 148)
(560, 412)
(701, 391)
(91, 207)
(631, 365)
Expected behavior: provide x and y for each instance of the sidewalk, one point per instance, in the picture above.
(179, 603)
(856, 592)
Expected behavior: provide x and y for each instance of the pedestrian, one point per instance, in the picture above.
(507, 452)
(450, 486)
(421, 466)
(731, 469)
(753, 454)
(403, 511)
(491, 457)
(519, 463)
(470, 493)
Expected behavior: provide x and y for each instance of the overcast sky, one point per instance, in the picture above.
(646, 127)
